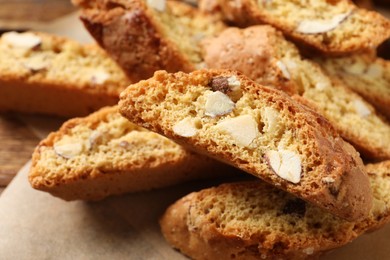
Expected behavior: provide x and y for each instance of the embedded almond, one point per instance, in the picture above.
(271, 119)
(286, 164)
(233, 82)
(37, 63)
(159, 5)
(361, 108)
(321, 26)
(242, 129)
(283, 69)
(185, 127)
(321, 85)
(22, 40)
(218, 104)
(99, 77)
(328, 180)
(95, 138)
(308, 251)
(68, 150)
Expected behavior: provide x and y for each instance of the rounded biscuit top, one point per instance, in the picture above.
(264, 133)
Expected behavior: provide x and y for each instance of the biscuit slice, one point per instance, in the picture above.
(330, 27)
(276, 62)
(145, 36)
(258, 129)
(367, 75)
(104, 154)
(46, 74)
(379, 175)
(252, 220)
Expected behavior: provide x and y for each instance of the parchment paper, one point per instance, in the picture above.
(35, 225)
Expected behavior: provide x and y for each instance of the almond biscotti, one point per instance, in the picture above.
(47, 74)
(252, 220)
(331, 27)
(379, 174)
(145, 36)
(104, 154)
(276, 62)
(365, 74)
(258, 129)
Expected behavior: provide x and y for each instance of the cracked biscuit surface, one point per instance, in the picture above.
(330, 27)
(252, 220)
(258, 129)
(47, 74)
(144, 38)
(104, 154)
(276, 62)
(365, 74)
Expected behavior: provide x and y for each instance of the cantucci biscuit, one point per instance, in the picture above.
(276, 62)
(47, 74)
(258, 129)
(104, 154)
(145, 36)
(367, 75)
(252, 220)
(331, 27)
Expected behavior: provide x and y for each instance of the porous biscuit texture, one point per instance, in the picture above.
(104, 154)
(330, 27)
(252, 220)
(254, 52)
(258, 129)
(47, 74)
(144, 38)
(365, 74)
(276, 62)
(379, 174)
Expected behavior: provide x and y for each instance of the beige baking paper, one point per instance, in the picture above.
(35, 225)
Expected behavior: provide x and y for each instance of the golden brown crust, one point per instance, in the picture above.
(372, 28)
(217, 223)
(250, 220)
(134, 36)
(273, 56)
(107, 169)
(65, 81)
(365, 74)
(51, 99)
(148, 103)
(135, 41)
(249, 52)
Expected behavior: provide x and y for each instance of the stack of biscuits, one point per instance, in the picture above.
(289, 95)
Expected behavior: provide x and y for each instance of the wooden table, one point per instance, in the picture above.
(24, 13)
(17, 139)
(17, 144)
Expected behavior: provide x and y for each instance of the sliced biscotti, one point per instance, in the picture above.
(104, 154)
(258, 129)
(331, 27)
(255, 51)
(277, 62)
(145, 36)
(252, 220)
(47, 74)
(379, 174)
(365, 74)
